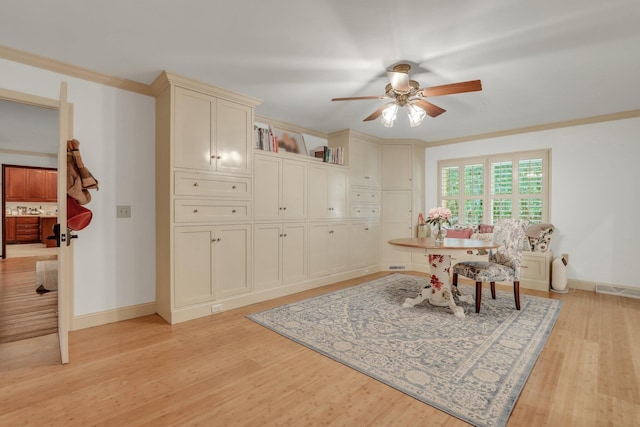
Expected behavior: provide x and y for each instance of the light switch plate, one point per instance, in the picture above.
(123, 211)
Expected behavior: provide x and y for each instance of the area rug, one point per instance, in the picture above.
(472, 368)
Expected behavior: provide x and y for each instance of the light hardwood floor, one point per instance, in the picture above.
(225, 370)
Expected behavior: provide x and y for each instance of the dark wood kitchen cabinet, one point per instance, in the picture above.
(10, 229)
(28, 229)
(31, 184)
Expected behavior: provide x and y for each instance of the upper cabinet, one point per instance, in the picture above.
(280, 188)
(213, 134)
(363, 157)
(397, 160)
(31, 184)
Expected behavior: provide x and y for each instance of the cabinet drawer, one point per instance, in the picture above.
(365, 211)
(211, 210)
(28, 220)
(193, 184)
(364, 196)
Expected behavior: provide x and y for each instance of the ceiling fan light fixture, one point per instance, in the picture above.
(416, 115)
(389, 114)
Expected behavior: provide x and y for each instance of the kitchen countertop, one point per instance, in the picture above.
(30, 216)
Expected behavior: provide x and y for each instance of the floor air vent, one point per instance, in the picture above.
(617, 290)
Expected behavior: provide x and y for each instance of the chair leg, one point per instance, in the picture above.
(516, 293)
(493, 290)
(478, 296)
(454, 282)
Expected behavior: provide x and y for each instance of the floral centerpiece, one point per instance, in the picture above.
(437, 217)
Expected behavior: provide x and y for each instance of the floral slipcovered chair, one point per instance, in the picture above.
(504, 263)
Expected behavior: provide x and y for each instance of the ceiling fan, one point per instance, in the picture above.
(407, 93)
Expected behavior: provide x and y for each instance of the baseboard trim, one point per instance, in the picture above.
(111, 316)
(583, 285)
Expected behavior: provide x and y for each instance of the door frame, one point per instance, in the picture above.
(65, 287)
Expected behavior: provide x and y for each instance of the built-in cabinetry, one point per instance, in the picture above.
(328, 248)
(204, 190)
(27, 229)
(280, 229)
(397, 203)
(328, 191)
(280, 188)
(27, 184)
(535, 270)
(10, 229)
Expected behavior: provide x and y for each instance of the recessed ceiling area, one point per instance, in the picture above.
(539, 62)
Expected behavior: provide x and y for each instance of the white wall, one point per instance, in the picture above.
(114, 258)
(594, 199)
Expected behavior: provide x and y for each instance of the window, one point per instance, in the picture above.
(486, 189)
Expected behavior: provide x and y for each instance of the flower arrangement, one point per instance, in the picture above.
(437, 217)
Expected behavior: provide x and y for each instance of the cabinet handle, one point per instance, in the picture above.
(330, 231)
(285, 234)
(280, 234)
(358, 210)
(218, 157)
(358, 194)
(285, 208)
(233, 187)
(366, 177)
(195, 211)
(219, 238)
(216, 240)
(233, 211)
(366, 229)
(195, 184)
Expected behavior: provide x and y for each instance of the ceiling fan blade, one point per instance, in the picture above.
(429, 108)
(358, 98)
(399, 81)
(375, 114)
(470, 86)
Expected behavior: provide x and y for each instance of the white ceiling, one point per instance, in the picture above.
(540, 61)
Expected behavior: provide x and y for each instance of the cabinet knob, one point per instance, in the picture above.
(285, 234)
(358, 194)
(285, 208)
(233, 187)
(195, 211)
(366, 177)
(233, 211)
(366, 229)
(358, 210)
(219, 238)
(218, 157)
(330, 231)
(195, 184)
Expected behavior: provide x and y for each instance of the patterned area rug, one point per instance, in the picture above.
(472, 368)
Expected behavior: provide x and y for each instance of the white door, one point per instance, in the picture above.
(65, 261)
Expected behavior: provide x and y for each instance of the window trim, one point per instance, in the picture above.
(514, 158)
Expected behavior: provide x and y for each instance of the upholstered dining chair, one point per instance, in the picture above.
(504, 262)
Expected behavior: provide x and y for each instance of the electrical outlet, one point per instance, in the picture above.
(216, 308)
(123, 211)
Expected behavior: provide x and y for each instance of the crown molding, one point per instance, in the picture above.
(73, 70)
(537, 128)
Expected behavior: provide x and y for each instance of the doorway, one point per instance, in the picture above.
(30, 136)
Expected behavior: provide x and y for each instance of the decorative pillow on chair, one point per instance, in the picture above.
(485, 228)
(539, 237)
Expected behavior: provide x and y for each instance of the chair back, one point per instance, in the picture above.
(509, 234)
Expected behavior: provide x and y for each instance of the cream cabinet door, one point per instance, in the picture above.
(318, 249)
(294, 260)
(397, 163)
(372, 165)
(233, 133)
(394, 255)
(357, 161)
(193, 265)
(396, 206)
(193, 130)
(293, 182)
(338, 247)
(267, 256)
(318, 192)
(364, 244)
(337, 193)
(232, 260)
(267, 188)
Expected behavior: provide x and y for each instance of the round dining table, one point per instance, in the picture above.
(438, 290)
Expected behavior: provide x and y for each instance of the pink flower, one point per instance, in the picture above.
(439, 214)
